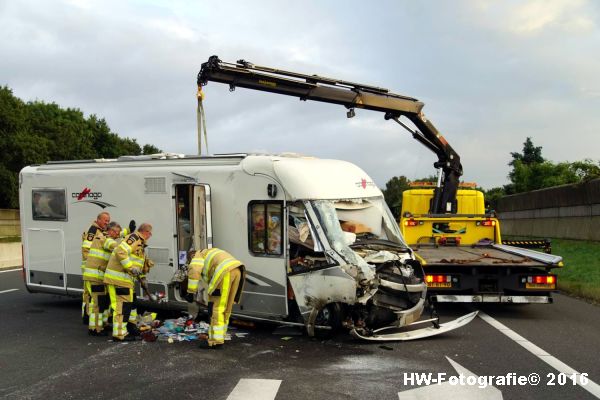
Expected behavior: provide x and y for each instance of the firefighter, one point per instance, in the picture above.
(93, 277)
(221, 277)
(97, 228)
(126, 263)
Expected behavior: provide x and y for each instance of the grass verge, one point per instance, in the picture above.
(581, 274)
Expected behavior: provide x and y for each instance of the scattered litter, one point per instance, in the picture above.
(148, 337)
(386, 347)
(183, 329)
(286, 338)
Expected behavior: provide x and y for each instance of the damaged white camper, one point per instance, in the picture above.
(319, 243)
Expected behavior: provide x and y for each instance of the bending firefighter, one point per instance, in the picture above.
(93, 277)
(95, 231)
(220, 278)
(127, 262)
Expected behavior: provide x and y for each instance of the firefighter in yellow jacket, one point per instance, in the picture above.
(222, 277)
(125, 264)
(97, 228)
(93, 277)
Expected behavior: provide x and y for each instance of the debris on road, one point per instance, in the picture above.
(182, 329)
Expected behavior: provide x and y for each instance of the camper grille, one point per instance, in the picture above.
(155, 185)
(158, 255)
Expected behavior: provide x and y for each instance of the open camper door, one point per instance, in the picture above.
(202, 238)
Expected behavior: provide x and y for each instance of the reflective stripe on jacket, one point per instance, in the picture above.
(87, 238)
(128, 254)
(210, 265)
(97, 258)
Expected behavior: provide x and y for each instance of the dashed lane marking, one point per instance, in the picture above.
(11, 270)
(7, 291)
(255, 389)
(552, 361)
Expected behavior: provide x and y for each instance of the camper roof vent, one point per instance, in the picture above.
(155, 185)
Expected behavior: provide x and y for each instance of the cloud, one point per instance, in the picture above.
(490, 73)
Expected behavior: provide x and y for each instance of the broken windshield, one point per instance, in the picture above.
(345, 221)
(370, 218)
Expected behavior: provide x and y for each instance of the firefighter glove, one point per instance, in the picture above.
(135, 271)
(189, 297)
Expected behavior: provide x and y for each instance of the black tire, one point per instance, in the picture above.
(331, 315)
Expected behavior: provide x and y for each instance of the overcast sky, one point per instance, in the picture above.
(491, 73)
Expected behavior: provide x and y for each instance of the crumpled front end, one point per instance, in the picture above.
(366, 281)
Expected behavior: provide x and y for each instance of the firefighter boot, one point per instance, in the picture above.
(133, 329)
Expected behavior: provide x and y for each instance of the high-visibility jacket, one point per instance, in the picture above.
(86, 241)
(128, 254)
(97, 258)
(209, 266)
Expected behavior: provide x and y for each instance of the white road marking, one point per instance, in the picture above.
(11, 270)
(255, 389)
(552, 361)
(446, 390)
(7, 291)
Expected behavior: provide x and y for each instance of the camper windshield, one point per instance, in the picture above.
(351, 221)
(366, 218)
(352, 228)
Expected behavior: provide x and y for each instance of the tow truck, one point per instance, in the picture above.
(387, 301)
(464, 256)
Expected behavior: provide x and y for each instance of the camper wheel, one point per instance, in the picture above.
(332, 316)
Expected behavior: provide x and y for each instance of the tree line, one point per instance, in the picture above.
(529, 170)
(35, 132)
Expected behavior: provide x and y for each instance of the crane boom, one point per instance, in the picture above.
(350, 95)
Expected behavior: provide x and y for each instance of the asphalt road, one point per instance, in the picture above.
(46, 353)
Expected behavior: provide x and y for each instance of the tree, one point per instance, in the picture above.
(522, 175)
(150, 149)
(531, 154)
(37, 132)
(586, 170)
(530, 171)
(393, 193)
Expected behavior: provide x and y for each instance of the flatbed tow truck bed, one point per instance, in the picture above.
(473, 256)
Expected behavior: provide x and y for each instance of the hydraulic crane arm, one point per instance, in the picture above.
(350, 95)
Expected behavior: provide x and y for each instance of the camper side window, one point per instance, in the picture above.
(265, 230)
(49, 204)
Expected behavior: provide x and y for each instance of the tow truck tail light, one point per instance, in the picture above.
(539, 281)
(411, 222)
(438, 279)
(487, 222)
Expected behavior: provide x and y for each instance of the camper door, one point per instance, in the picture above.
(193, 228)
(202, 220)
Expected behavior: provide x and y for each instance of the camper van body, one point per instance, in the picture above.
(240, 203)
